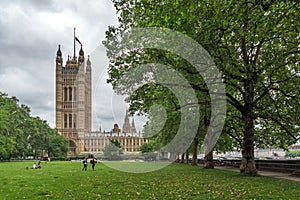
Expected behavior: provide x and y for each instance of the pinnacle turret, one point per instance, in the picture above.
(58, 53)
(81, 56)
(59, 56)
(88, 65)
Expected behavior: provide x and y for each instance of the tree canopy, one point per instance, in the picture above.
(254, 44)
(23, 135)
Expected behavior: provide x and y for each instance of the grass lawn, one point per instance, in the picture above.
(65, 180)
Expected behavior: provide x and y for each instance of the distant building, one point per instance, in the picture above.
(73, 98)
(128, 138)
(74, 105)
(127, 128)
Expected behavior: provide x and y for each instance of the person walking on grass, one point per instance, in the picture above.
(93, 162)
(84, 164)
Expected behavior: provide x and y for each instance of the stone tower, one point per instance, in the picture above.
(133, 129)
(73, 99)
(127, 128)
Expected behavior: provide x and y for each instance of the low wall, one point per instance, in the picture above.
(270, 165)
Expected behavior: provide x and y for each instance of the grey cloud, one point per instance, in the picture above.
(29, 34)
(33, 50)
(36, 5)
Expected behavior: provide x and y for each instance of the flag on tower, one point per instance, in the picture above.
(78, 41)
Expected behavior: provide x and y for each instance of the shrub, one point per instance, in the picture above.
(292, 154)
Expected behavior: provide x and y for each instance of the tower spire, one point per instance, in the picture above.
(74, 42)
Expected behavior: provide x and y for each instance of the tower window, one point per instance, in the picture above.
(75, 120)
(70, 120)
(75, 94)
(65, 120)
(65, 94)
(70, 94)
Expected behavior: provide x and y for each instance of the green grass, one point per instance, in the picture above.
(65, 180)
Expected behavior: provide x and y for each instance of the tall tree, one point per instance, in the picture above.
(22, 135)
(255, 44)
(8, 125)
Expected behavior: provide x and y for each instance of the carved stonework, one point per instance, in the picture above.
(73, 99)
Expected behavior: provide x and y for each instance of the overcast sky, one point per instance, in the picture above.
(30, 31)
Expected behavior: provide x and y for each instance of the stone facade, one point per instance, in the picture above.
(73, 99)
(128, 138)
(74, 106)
(96, 141)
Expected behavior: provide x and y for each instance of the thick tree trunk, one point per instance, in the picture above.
(195, 150)
(248, 163)
(208, 158)
(187, 156)
(209, 161)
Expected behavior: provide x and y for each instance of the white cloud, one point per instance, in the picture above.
(29, 34)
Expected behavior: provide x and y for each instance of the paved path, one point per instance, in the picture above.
(279, 175)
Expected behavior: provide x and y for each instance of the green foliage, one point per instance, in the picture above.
(146, 148)
(58, 146)
(113, 149)
(255, 44)
(22, 135)
(147, 151)
(176, 181)
(293, 154)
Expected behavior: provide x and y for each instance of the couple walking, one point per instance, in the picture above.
(93, 163)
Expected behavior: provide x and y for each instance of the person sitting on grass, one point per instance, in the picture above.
(39, 165)
(35, 166)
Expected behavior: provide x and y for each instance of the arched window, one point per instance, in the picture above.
(70, 94)
(70, 120)
(65, 94)
(75, 120)
(75, 93)
(65, 120)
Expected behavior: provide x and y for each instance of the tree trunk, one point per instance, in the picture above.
(195, 150)
(248, 163)
(182, 158)
(208, 158)
(187, 156)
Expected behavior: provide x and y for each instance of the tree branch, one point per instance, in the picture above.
(272, 118)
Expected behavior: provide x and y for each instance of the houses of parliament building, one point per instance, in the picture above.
(74, 105)
(129, 139)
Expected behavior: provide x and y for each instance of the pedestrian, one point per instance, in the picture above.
(93, 162)
(84, 164)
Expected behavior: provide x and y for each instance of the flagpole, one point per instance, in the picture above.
(74, 42)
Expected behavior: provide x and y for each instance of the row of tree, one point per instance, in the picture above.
(254, 44)
(22, 135)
